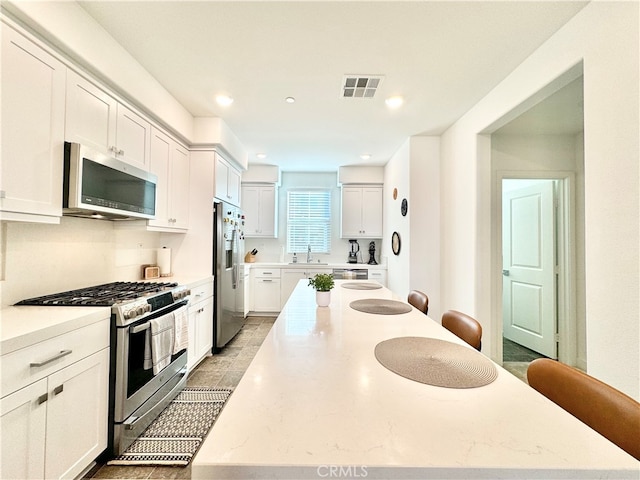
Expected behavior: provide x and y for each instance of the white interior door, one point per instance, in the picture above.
(529, 277)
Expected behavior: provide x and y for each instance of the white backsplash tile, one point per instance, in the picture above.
(41, 259)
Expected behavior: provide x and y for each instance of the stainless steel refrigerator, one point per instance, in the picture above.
(228, 256)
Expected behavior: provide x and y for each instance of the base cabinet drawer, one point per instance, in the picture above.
(266, 295)
(27, 365)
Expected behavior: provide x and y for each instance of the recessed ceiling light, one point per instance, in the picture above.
(290, 100)
(261, 156)
(224, 100)
(394, 102)
(365, 156)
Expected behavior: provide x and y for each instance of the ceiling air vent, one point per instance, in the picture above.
(360, 86)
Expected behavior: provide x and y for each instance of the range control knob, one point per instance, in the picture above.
(131, 313)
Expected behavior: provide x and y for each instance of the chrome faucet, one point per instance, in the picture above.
(309, 253)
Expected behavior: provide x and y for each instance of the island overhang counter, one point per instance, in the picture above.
(316, 403)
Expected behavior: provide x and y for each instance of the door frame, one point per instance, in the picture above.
(566, 257)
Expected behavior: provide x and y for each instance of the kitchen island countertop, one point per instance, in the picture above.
(315, 403)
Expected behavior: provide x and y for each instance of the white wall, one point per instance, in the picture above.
(415, 171)
(397, 175)
(604, 36)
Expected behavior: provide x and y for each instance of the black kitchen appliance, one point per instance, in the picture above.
(372, 253)
(353, 251)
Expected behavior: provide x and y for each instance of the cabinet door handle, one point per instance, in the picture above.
(63, 353)
(43, 398)
(58, 390)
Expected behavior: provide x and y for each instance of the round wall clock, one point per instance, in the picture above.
(395, 243)
(404, 207)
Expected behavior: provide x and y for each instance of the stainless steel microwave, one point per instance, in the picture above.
(99, 186)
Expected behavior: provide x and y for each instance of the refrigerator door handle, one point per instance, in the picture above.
(234, 269)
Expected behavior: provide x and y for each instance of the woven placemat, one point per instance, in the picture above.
(436, 362)
(361, 286)
(380, 306)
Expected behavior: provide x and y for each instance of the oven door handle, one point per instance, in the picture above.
(141, 328)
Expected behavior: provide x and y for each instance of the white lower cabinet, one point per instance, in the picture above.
(379, 275)
(200, 324)
(266, 289)
(56, 426)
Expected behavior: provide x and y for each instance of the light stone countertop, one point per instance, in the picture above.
(315, 403)
(23, 326)
(312, 265)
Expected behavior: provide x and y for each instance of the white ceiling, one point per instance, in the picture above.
(442, 57)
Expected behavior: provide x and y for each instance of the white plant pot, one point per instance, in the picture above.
(323, 298)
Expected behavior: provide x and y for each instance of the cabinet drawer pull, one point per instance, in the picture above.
(63, 353)
(267, 280)
(43, 398)
(58, 390)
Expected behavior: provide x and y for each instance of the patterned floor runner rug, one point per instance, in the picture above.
(175, 436)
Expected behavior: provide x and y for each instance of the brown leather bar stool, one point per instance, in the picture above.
(608, 411)
(463, 326)
(419, 300)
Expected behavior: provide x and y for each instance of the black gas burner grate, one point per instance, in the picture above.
(100, 295)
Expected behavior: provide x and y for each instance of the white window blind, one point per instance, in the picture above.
(309, 221)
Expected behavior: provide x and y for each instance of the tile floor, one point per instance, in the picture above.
(516, 358)
(224, 369)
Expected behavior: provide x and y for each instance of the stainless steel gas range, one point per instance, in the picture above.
(139, 389)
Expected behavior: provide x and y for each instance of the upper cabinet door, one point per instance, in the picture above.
(372, 212)
(170, 162)
(91, 115)
(351, 212)
(259, 206)
(180, 181)
(362, 212)
(96, 119)
(33, 95)
(227, 182)
(133, 138)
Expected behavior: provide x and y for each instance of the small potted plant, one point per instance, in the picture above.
(322, 283)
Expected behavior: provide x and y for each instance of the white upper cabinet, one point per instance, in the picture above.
(32, 132)
(259, 203)
(227, 182)
(361, 212)
(170, 162)
(96, 119)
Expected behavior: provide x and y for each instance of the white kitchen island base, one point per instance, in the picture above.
(315, 403)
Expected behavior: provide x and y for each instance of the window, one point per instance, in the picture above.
(309, 221)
